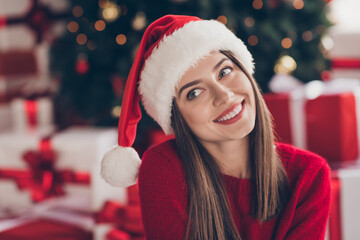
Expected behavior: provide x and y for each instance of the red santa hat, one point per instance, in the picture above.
(170, 45)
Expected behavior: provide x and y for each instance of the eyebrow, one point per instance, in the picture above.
(198, 81)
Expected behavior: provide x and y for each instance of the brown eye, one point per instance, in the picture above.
(224, 72)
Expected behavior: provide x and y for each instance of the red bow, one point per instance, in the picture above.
(42, 179)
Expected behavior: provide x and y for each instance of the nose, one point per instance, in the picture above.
(221, 94)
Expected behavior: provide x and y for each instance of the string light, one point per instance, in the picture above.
(81, 39)
(110, 12)
(257, 4)
(286, 43)
(249, 22)
(100, 25)
(307, 36)
(253, 40)
(139, 21)
(298, 4)
(103, 3)
(73, 26)
(77, 11)
(116, 111)
(285, 65)
(222, 19)
(91, 45)
(121, 39)
(327, 42)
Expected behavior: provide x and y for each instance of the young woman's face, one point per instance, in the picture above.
(216, 100)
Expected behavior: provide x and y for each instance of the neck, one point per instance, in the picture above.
(231, 156)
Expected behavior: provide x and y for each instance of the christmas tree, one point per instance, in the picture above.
(92, 59)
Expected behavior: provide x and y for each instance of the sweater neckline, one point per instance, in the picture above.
(238, 185)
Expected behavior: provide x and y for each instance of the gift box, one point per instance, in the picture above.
(325, 123)
(345, 54)
(29, 115)
(345, 209)
(34, 167)
(52, 219)
(5, 116)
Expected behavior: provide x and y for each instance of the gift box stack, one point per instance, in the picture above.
(345, 54)
(323, 117)
(24, 47)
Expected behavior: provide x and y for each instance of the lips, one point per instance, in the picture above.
(232, 113)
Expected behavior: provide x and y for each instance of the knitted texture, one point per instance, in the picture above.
(163, 197)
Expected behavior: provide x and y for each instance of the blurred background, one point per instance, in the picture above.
(63, 69)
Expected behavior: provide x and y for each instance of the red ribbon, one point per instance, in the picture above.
(126, 220)
(2, 21)
(335, 215)
(42, 179)
(31, 111)
(347, 63)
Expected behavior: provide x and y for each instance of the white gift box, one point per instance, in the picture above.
(78, 149)
(345, 210)
(44, 115)
(346, 47)
(5, 117)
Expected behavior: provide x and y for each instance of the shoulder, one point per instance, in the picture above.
(300, 163)
(161, 161)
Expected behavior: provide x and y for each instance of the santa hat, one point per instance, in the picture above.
(170, 45)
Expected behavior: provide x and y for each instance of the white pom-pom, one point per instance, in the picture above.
(120, 166)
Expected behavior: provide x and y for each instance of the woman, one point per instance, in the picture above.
(223, 177)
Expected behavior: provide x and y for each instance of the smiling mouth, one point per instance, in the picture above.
(234, 113)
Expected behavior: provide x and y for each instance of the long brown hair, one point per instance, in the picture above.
(209, 213)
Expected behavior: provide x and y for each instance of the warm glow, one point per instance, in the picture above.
(139, 21)
(91, 45)
(99, 25)
(286, 43)
(111, 12)
(285, 65)
(121, 39)
(77, 11)
(116, 111)
(298, 4)
(222, 19)
(81, 39)
(253, 40)
(103, 3)
(258, 4)
(249, 22)
(73, 26)
(307, 36)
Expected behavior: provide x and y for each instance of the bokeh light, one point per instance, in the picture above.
(253, 40)
(249, 22)
(222, 19)
(81, 39)
(121, 39)
(100, 25)
(77, 11)
(73, 26)
(286, 43)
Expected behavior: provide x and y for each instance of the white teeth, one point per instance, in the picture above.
(231, 114)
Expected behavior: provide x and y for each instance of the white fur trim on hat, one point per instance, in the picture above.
(120, 166)
(175, 54)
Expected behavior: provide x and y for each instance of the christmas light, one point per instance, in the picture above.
(249, 22)
(110, 12)
(103, 3)
(139, 21)
(121, 39)
(77, 11)
(100, 25)
(116, 111)
(73, 26)
(327, 42)
(298, 4)
(257, 4)
(81, 39)
(222, 19)
(285, 65)
(286, 43)
(307, 36)
(91, 45)
(253, 40)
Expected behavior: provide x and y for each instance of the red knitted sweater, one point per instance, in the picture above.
(163, 196)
